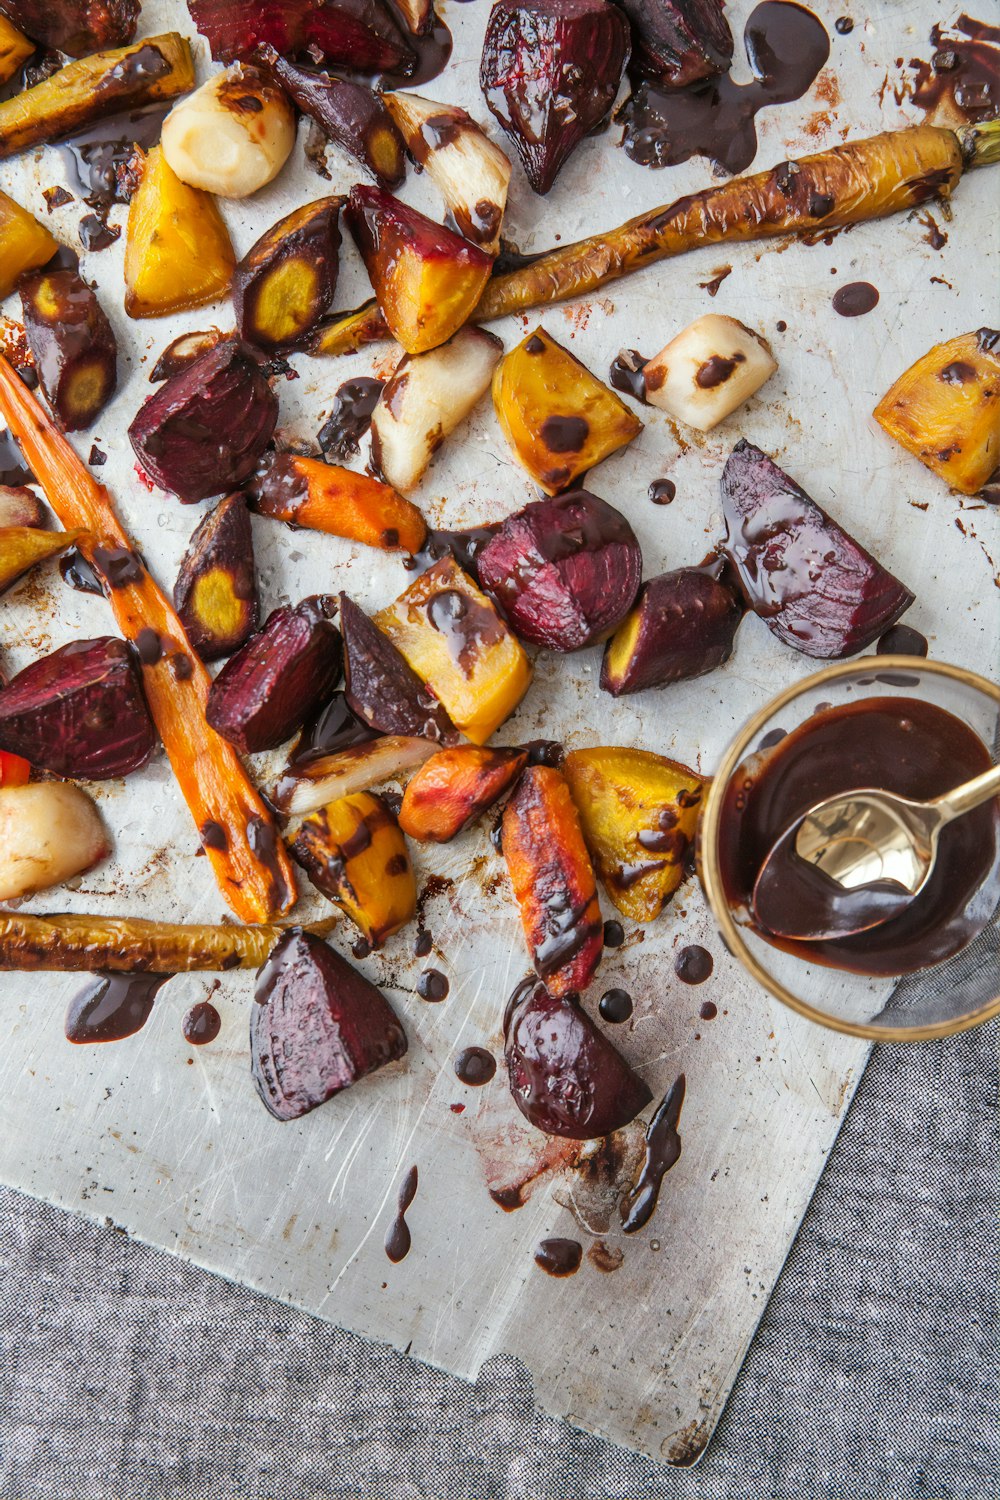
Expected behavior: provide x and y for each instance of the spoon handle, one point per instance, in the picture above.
(961, 799)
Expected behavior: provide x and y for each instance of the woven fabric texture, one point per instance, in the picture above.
(127, 1375)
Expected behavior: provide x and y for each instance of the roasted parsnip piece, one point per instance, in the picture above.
(216, 590)
(286, 281)
(382, 689)
(454, 787)
(23, 547)
(469, 171)
(24, 244)
(708, 370)
(353, 851)
(159, 67)
(233, 135)
(246, 854)
(325, 497)
(349, 114)
(453, 638)
(559, 419)
(49, 832)
(15, 49)
(945, 409)
(553, 881)
(20, 506)
(305, 788)
(425, 399)
(639, 812)
(72, 343)
(683, 625)
(178, 253)
(75, 27)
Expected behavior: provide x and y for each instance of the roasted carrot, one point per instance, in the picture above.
(326, 497)
(847, 184)
(238, 831)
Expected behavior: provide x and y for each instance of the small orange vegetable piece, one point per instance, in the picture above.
(246, 852)
(14, 769)
(21, 547)
(452, 788)
(24, 244)
(354, 852)
(15, 49)
(453, 638)
(553, 881)
(178, 253)
(325, 497)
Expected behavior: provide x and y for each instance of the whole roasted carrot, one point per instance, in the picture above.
(237, 829)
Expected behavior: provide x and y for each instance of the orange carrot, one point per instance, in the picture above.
(326, 497)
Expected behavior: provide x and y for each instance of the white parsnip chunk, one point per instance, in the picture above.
(708, 370)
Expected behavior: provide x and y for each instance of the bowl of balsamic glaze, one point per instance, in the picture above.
(907, 725)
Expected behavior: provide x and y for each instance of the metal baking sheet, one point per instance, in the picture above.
(171, 1143)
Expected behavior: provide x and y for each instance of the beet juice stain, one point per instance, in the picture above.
(397, 1240)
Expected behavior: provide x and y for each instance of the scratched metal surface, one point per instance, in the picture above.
(171, 1142)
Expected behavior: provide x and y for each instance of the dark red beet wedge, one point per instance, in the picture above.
(679, 41)
(280, 678)
(317, 1027)
(357, 34)
(564, 571)
(75, 26)
(566, 1077)
(79, 712)
(684, 624)
(816, 588)
(382, 688)
(549, 73)
(203, 431)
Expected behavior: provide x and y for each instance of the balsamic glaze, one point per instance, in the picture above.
(614, 934)
(350, 416)
(843, 25)
(559, 1257)
(335, 728)
(397, 1239)
(544, 752)
(615, 1006)
(899, 640)
(13, 469)
(855, 299)
(964, 73)
(772, 737)
(422, 943)
(693, 964)
(112, 1006)
(78, 573)
(464, 546)
(708, 1010)
(432, 985)
(202, 1024)
(475, 1066)
(663, 1149)
(626, 374)
(662, 491)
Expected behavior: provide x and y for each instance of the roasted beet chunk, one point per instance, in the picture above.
(356, 34)
(280, 678)
(680, 41)
(816, 588)
(550, 73)
(75, 26)
(203, 431)
(79, 712)
(317, 1027)
(565, 1076)
(683, 625)
(564, 571)
(382, 688)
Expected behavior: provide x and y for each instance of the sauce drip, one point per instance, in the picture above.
(615, 1006)
(963, 76)
(202, 1024)
(708, 1011)
(432, 985)
(785, 44)
(13, 469)
(614, 934)
(693, 964)
(663, 1149)
(350, 416)
(855, 299)
(475, 1066)
(335, 728)
(422, 943)
(899, 640)
(397, 1239)
(662, 491)
(112, 1007)
(78, 573)
(559, 1257)
(464, 546)
(626, 374)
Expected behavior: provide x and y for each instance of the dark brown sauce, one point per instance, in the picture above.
(693, 964)
(786, 45)
(708, 1010)
(432, 985)
(113, 1006)
(663, 1149)
(544, 752)
(567, 931)
(397, 1239)
(711, 286)
(335, 728)
(78, 573)
(901, 745)
(615, 1006)
(350, 416)
(662, 491)
(963, 74)
(475, 1066)
(13, 469)
(464, 546)
(626, 374)
(716, 370)
(149, 646)
(361, 947)
(855, 299)
(564, 434)
(118, 566)
(96, 234)
(843, 25)
(202, 1024)
(898, 640)
(422, 943)
(213, 836)
(614, 934)
(559, 1257)
(772, 737)
(466, 625)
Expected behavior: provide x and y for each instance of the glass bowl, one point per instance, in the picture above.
(937, 1001)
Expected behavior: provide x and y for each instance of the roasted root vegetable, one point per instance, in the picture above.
(204, 430)
(15, 49)
(680, 41)
(249, 860)
(159, 67)
(24, 244)
(566, 1078)
(182, 350)
(708, 370)
(454, 787)
(453, 638)
(216, 590)
(356, 34)
(945, 409)
(550, 72)
(280, 678)
(20, 506)
(23, 547)
(639, 813)
(75, 27)
(684, 624)
(350, 115)
(72, 343)
(553, 881)
(14, 769)
(427, 279)
(304, 788)
(49, 832)
(79, 712)
(470, 172)
(382, 689)
(232, 136)
(317, 1027)
(425, 399)
(353, 851)
(286, 281)
(326, 497)
(178, 253)
(559, 419)
(564, 571)
(812, 584)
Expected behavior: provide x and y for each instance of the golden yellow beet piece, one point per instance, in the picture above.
(24, 243)
(177, 249)
(14, 49)
(638, 812)
(22, 547)
(558, 417)
(453, 638)
(354, 852)
(945, 409)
